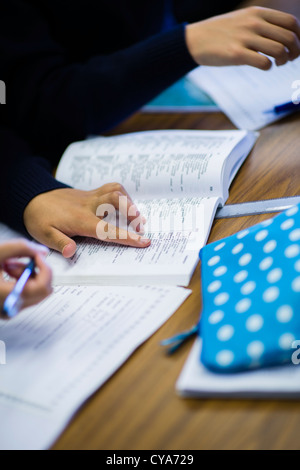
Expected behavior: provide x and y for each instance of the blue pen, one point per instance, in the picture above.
(284, 108)
(13, 303)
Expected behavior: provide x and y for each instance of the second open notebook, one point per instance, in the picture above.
(177, 179)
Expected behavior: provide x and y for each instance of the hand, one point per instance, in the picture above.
(239, 37)
(39, 286)
(53, 218)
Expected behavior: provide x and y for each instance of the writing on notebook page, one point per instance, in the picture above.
(75, 328)
(245, 93)
(61, 351)
(177, 179)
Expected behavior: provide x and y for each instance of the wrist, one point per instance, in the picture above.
(192, 37)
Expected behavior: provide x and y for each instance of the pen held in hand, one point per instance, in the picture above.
(13, 303)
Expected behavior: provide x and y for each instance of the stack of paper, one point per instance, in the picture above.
(196, 381)
(248, 95)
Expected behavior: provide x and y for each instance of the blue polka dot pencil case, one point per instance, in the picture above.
(251, 296)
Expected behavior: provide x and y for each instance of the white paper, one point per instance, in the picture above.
(171, 258)
(245, 93)
(176, 179)
(196, 381)
(62, 351)
(7, 234)
(153, 164)
(178, 229)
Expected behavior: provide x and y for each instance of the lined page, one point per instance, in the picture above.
(159, 164)
(178, 229)
(62, 351)
(245, 93)
(171, 258)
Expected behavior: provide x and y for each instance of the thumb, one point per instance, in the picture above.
(60, 242)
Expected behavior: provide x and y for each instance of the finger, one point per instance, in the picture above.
(19, 248)
(279, 18)
(39, 285)
(271, 48)
(14, 269)
(110, 188)
(58, 241)
(119, 201)
(86, 226)
(6, 287)
(37, 288)
(124, 205)
(288, 38)
(254, 59)
(109, 233)
(114, 188)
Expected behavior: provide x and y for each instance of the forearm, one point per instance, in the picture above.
(55, 99)
(70, 102)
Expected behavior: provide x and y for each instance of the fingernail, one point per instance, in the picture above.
(69, 251)
(141, 229)
(140, 240)
(133, 211)
(145, 242)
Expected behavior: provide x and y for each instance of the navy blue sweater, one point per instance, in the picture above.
(78, 67)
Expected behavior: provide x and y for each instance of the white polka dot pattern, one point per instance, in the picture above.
(252, 296)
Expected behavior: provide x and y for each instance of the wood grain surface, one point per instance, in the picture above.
(138, 407)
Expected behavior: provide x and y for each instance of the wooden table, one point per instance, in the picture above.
(138, 407)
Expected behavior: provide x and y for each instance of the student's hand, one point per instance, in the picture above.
(38, 286)
(239, 37)
(54, 217)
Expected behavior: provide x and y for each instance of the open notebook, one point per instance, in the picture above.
(177, 179)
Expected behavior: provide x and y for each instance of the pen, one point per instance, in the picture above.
(284, 108)
(13, 303)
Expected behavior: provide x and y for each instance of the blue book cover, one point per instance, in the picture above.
(183, 96)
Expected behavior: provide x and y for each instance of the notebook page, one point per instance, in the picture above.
(171, 258)
(178, 230)
(245, 93)
(277, 382)
(160, 164)
(62, 351)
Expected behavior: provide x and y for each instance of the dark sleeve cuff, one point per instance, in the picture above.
(108, 89)
(24, 177)
(133, 77)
